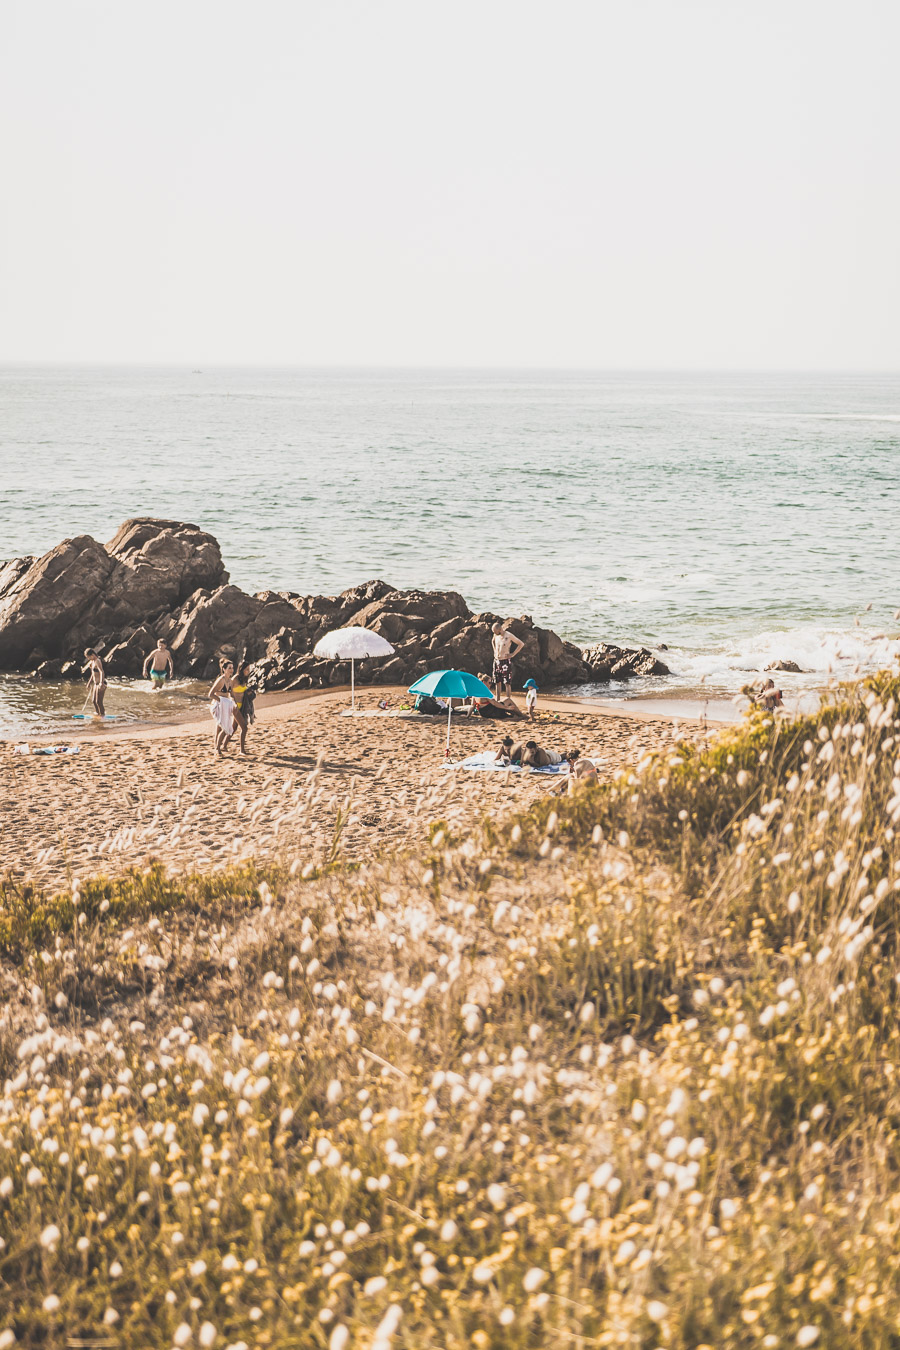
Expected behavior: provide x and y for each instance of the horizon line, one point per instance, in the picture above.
(193, 368)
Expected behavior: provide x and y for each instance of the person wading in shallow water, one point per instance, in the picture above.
(97, 681)
(506, 646)
(159, 665)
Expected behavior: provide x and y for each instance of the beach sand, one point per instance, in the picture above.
(317, 784)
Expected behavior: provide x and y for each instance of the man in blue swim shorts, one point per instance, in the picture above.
(159, 664)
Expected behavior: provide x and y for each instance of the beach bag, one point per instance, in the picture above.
(426, 704)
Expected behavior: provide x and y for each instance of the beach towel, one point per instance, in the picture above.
(222, 710)
(486, 763)
(47, 749)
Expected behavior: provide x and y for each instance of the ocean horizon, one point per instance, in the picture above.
(739, 518)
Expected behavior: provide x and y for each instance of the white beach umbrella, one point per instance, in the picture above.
(352, 644)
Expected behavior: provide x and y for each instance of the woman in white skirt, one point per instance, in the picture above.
(223, 705)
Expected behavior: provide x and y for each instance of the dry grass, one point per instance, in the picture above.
(621, 1071)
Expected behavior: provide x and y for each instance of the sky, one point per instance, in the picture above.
(616, 184)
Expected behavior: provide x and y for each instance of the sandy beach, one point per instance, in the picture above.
(317, 783)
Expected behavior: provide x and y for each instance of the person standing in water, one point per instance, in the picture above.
(97, 681)
(506, 646)
(159, 665)
(222, 706)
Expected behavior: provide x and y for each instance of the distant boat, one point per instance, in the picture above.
(196, 372)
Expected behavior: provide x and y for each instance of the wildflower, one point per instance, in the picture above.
(110, 1317)
(449, 1230)
(6, 1187)
(207, 1334)
(374, 1285)
(197, 1268)
(656, 1311)
(496, 1194)
(533, 1279)
(339, 1337)
(807, 1335)
(50, 1304)
(50, 1237)
(182, 1334)
(7, 1338)
(387, 1326)
(335, 1091)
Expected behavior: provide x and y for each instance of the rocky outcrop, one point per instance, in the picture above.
(790, 667)
(160, 578)
(619, 663)
(80, 592)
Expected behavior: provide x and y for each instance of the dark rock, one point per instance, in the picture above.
(80, 593)
(161, 578)
(48, 670)
(11, 571)
(127, 657)
(607, 662)
(790, 667)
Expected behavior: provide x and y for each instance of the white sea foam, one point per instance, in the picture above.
(821, 653)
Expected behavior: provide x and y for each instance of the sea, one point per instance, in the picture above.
(733, 519)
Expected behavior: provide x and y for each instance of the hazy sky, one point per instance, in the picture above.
(613, 183)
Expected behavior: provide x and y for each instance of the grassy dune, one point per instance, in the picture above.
(621, 1071)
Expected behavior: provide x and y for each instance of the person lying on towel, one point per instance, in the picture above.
(527, 754)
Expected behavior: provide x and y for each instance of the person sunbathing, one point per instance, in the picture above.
(537, 757)
(527, 754)
(497, 709)
(581, 769)
(507, 749)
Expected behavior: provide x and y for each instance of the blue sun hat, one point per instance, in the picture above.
(529, 684)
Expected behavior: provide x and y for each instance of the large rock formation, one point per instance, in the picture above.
(81, 592)
(160, 578)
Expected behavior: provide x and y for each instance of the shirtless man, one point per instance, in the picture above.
(506, 646)
(97, 681)
(160, 665)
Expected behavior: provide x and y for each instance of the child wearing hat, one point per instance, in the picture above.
(531, 698)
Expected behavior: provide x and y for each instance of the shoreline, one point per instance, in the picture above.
(273, 707)
(316, 785)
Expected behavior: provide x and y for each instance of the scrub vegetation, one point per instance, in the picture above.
(622, 1071)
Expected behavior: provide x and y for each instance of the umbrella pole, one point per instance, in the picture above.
(352, 685)
(449, 715)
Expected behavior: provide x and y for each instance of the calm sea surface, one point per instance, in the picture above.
(736, 518)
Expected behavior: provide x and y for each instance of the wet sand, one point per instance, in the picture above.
(316, 784)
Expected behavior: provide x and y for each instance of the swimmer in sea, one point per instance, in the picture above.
(159, 665)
